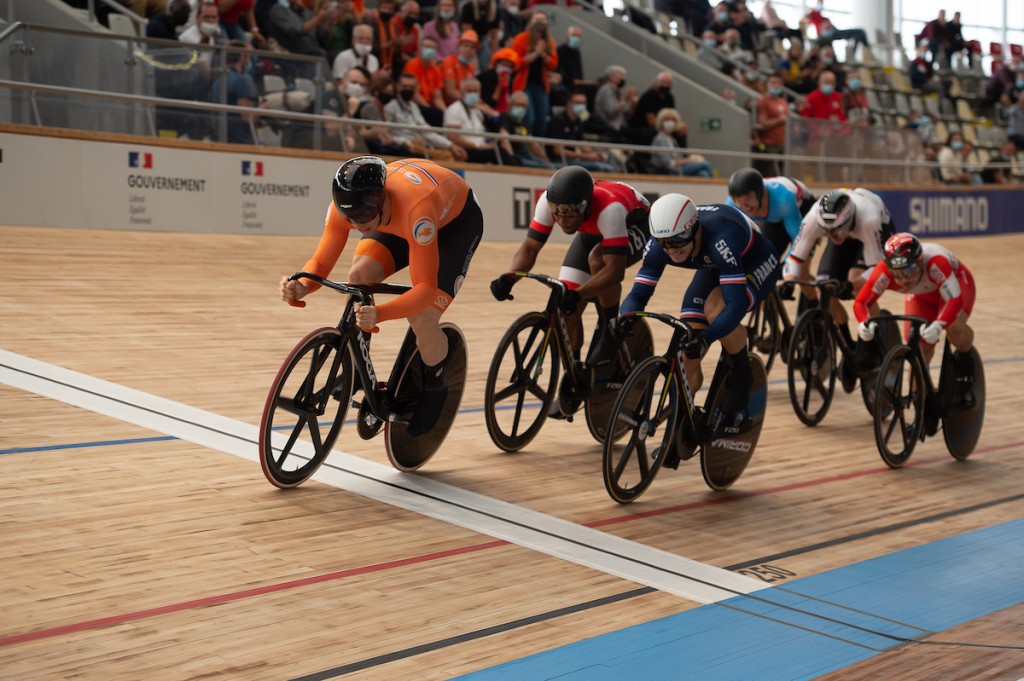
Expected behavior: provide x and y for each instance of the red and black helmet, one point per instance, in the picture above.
(903, 250)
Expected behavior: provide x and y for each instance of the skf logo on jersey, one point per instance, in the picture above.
(137, 159)
(424, 231)
(726, 252)
(442, 302)
(253, 168)
(413, 177)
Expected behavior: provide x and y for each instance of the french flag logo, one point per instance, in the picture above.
(254, 168)
(138, 159)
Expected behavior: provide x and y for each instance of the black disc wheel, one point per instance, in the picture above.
(306, 408)
(965, 415)
(521, 382)
(899, 406)
(647, 407)
(811, 369)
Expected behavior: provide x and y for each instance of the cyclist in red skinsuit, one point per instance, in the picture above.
(411, 213)
(609, 220)
(939, 288)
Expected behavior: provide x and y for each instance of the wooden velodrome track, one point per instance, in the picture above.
(135, 546)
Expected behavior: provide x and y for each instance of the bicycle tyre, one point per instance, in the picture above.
(534, 359)
(628, 471)
(900, 394)
(315, 370)
(608, 381)
(812, 353)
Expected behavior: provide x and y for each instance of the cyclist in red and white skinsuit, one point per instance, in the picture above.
(938, 286)
(609, 221)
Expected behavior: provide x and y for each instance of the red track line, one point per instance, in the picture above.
(402, 562)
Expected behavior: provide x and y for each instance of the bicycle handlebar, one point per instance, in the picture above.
(672, 321)
(913, 319)
(824, 283)
(550, 282)
(362, 292)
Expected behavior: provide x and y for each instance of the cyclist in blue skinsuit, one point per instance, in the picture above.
(776, 204)
(737, 267)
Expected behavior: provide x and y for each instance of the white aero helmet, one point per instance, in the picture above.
(673, 220)
(836, 211)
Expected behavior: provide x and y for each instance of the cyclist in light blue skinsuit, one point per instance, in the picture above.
(776, 204)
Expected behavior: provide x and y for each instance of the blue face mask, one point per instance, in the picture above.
(284, 3)
(517, 112)
(854, 83)
(723, 17)
(447, 15)
(472, 98)
(775, 91)
(924, 121)
(710, 42)
(827, 89)
(579, 109)
(574, 42)
(464, 59)
(428, 53)
(957, 145)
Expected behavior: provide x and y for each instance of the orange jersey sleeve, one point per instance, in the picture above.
(332, 243)
(424, 198)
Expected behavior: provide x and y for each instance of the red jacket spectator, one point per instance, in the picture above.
(824, 106)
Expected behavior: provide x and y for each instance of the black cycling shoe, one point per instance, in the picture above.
(848, 375)
(604, 350)
(734, 422)
(428, 410)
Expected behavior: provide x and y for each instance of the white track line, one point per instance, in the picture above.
(559, 538)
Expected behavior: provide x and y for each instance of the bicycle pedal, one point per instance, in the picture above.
(367, 424)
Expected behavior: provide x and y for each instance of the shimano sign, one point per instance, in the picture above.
(948, 214)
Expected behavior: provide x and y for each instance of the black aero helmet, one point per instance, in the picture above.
(746, 180)
(572, 186)
(358, 188)
(836, 210)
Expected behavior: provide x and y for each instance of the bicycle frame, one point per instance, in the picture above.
(914, 343)
(557, 325)
(681, 333)
(354, 338)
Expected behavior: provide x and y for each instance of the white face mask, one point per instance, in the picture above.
(209, 30)
(354, 90)
(362, 49)
(668, 126)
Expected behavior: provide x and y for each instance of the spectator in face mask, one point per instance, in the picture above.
(720, 22)
(770, 135)
(444, 28)
(951, 165)
(457, 67)
(360, 54)
(496, 83)
(672, 135)
(402, 109)
(513, 122)
(570, 59)
(824, 103)
(513, 20)
(642, 124)
(711, 51)
(406, 29)
(855, 102)
(466, 117)
(206, 30)
(427, 70)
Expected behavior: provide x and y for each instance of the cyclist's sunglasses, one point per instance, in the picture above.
(902, 266)
(674, 241)
(367, 209)
(567, 210)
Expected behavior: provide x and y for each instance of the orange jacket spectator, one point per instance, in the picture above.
(521, 44)
(428, 74)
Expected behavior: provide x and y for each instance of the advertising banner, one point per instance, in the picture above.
(946, 213)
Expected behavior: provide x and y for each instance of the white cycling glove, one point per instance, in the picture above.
(930, 334)
(866, 331)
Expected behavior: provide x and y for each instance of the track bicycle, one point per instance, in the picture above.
(314, 388)
(656, 406)
(909, 406)
(522, 382)
(815, 348)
